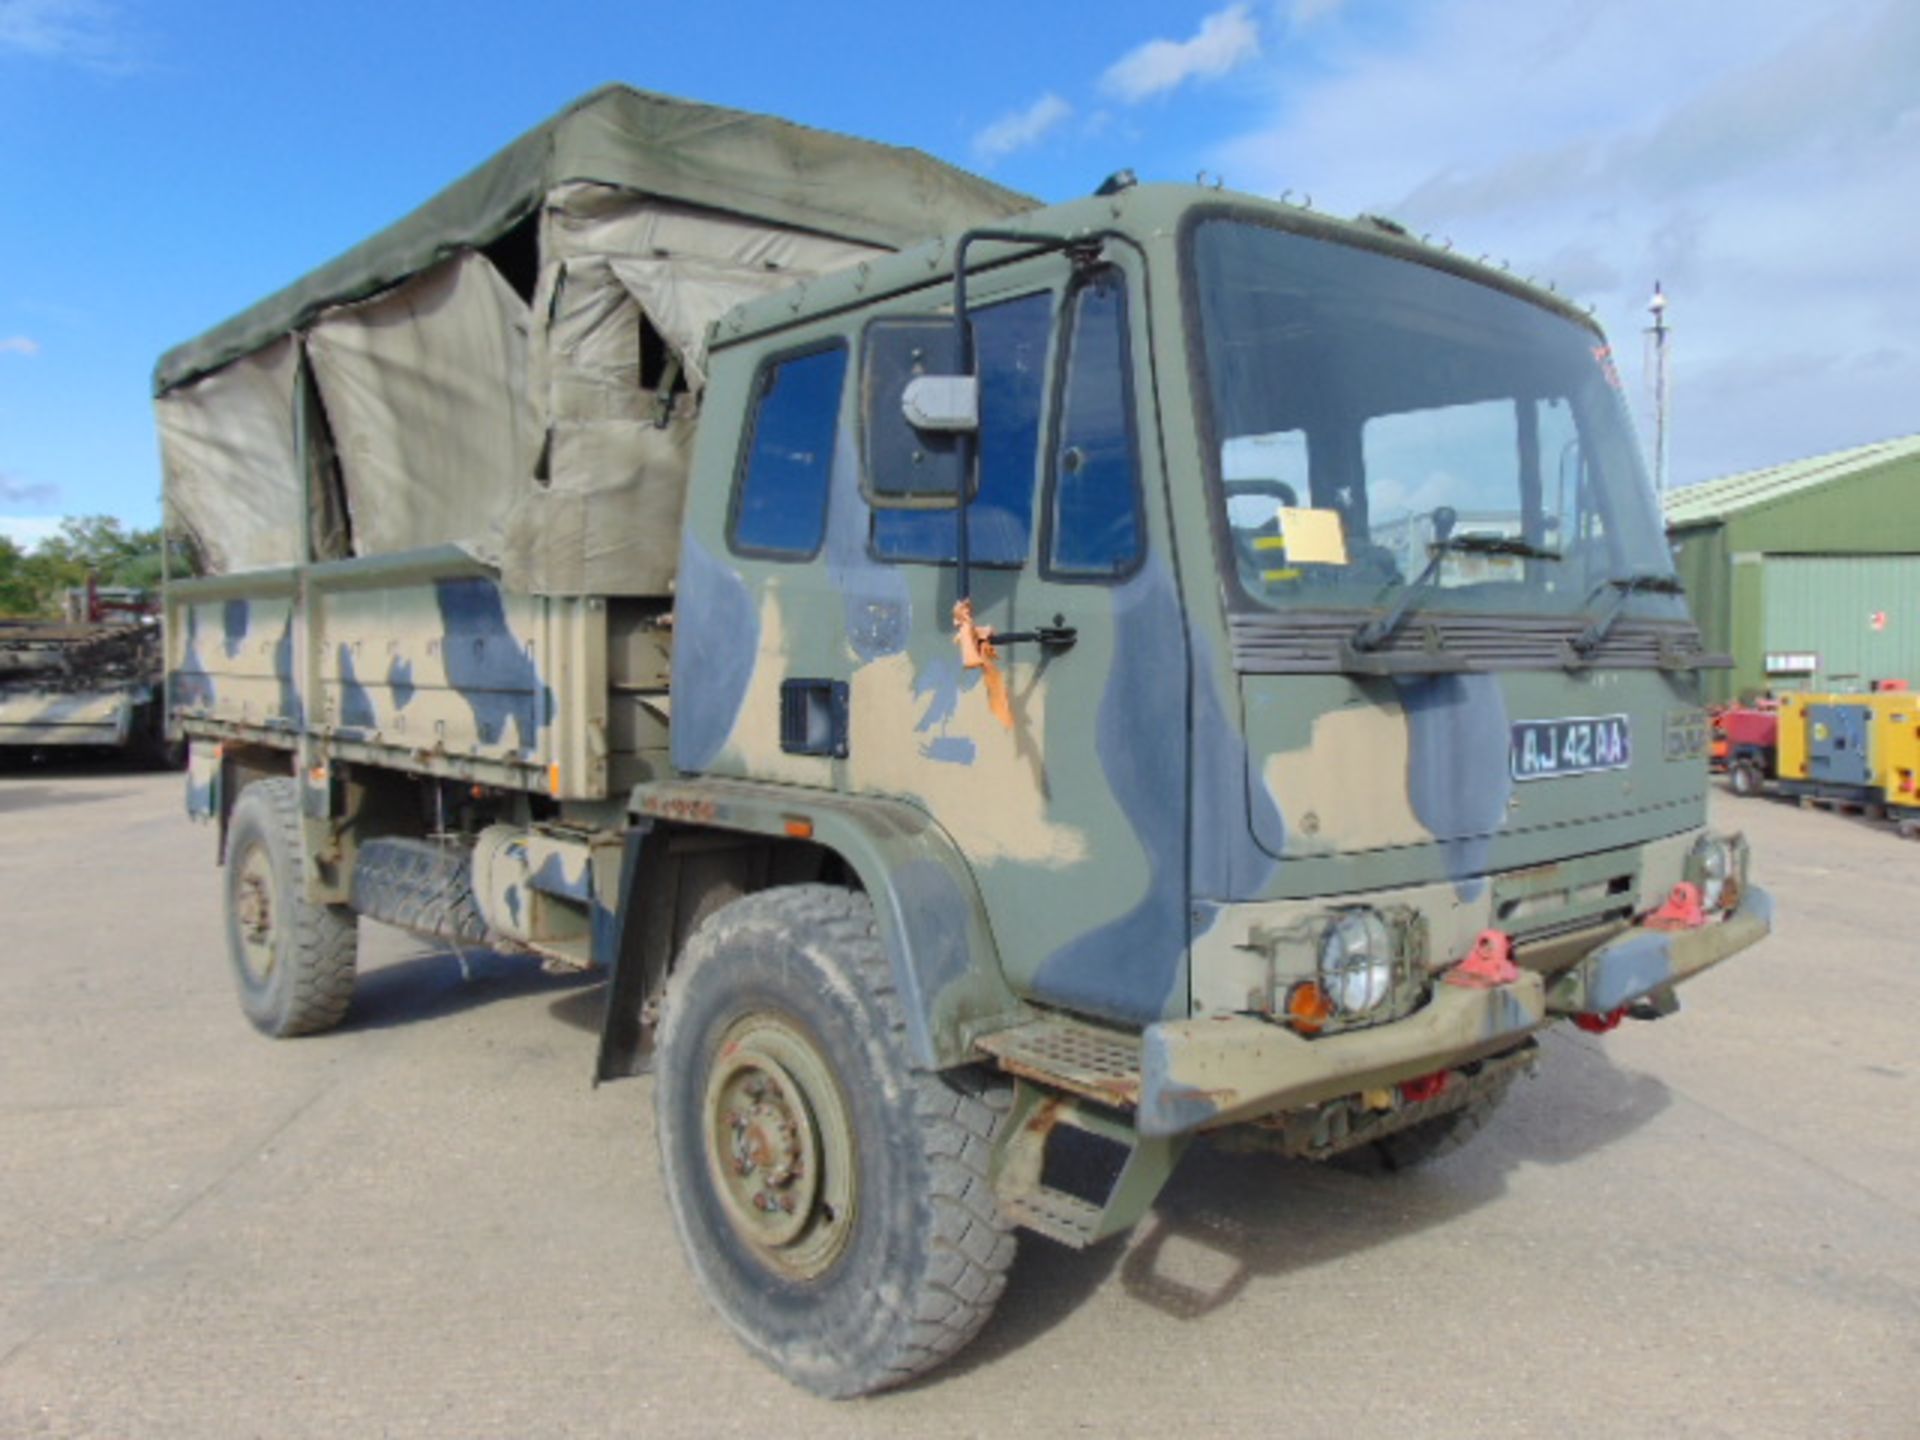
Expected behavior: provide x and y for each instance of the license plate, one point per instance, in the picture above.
(1547, 749)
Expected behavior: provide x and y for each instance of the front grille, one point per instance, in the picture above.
(1559, 911)
(1308, 642)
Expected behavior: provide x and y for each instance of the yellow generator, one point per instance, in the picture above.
(1862, 749)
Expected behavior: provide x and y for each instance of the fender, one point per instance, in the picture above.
(946, 966)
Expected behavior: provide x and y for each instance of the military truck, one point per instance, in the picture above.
(89, 681)
(998, 691)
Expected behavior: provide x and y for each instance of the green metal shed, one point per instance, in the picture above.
(1808, 574)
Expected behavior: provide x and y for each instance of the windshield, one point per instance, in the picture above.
(1366, 408)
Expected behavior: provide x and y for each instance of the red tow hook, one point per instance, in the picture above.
(1425, 1087)
(1682, 911)
(1600, 1024)
(1488, 964)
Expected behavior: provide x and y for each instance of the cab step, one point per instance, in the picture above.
(1060, 1217)
(1082, 1059)
(1071, 1075)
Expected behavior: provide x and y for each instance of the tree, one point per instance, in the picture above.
(33, 583)
(17, 596)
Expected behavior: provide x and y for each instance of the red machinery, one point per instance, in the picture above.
(1745, 744)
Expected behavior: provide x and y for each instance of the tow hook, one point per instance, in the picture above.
(1682, 910)
(1654, 1005)
(1488, 964)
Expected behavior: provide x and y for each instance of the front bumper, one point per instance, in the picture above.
(1198, 1074)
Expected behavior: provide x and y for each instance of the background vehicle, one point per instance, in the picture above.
(1160, 663)
(89, 681)
(1843, 749)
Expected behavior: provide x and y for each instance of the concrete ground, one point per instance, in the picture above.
(427, 1223)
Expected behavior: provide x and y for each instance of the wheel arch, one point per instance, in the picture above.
(939, 944)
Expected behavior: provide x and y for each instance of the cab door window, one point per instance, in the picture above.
(1010, 355)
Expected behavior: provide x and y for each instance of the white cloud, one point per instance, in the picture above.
(1021, 128)
(1606, 147)
(19, 345)
(21, 492)
(87, 32)
(1226, 40)
(27, 531)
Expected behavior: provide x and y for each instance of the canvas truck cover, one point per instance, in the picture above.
(515, 367)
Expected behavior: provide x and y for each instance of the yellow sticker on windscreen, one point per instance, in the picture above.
(1314, 537)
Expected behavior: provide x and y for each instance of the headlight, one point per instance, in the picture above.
(1356, 962)
(1715, 866)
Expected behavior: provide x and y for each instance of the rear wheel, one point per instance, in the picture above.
(292, 959)
(834, 1203)
(1745, 778)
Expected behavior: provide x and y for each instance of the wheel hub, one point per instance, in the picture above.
(253, 907)
(780, 1146)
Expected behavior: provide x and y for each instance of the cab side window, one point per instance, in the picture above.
(780, 497)
(1093, 524)
(1010, 352)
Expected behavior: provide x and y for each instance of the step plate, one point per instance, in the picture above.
(1055, 1214)
(1101, 1065)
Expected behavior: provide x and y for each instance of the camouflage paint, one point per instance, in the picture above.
(234, 624)
(421, 662)
(400, 682)
(1133, 968)
(292, 712)
(1457, 776)
(487, 664)
(192, 685)
(712, 655)
(356, 706)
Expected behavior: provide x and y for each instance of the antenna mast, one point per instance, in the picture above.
(1657, 307)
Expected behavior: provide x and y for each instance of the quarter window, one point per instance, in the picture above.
(780, 507)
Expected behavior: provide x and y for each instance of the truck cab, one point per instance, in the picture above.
(1338, 643)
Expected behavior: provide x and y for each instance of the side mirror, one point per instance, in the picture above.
(916, 408)
(946, 403)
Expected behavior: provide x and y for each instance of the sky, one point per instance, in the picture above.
(163, 165)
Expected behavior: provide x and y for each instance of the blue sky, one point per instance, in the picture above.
(163, 165)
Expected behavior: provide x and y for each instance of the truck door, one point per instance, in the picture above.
(1087, 893)
(815, 643)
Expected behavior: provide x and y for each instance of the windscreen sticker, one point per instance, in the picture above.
(1314, 537)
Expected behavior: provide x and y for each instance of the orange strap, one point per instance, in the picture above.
(977, 653)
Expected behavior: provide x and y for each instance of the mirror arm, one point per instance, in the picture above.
(964, 441)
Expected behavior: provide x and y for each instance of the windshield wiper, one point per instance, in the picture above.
(1382, 628)
(1625, 587)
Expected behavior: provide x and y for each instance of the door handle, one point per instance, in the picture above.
(1057, 636)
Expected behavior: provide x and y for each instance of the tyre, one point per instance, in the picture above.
(293, 960)
(834, 1204)
(1745, 778)
(1428, 1140)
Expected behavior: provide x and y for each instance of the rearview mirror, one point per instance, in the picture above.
(916, 410)
(947, 403)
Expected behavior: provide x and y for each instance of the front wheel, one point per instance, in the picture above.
(1745, 778)
(834, 1203)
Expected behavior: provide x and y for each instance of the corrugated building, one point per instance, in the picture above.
(1808, 574)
